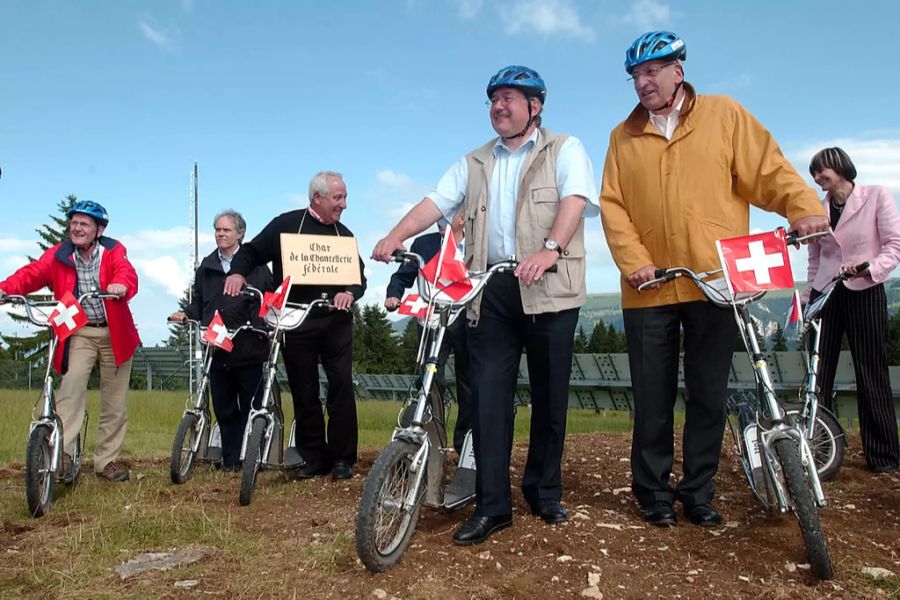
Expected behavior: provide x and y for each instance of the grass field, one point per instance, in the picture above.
(153, 418)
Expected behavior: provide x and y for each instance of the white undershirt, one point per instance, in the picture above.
(666, 124)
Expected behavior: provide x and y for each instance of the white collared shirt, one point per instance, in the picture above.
(574, 177)
(666, 124)
(225, 261)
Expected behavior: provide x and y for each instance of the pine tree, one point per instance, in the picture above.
(382, 352)
(180, 335)
(582, 342)
(409, 345)
(779, 340)
(50, 234)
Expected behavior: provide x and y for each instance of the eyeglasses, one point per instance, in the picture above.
(504, 99)
(649, 72)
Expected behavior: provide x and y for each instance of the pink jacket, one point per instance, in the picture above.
(868, 230)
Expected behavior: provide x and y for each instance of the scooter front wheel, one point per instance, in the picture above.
(184, 449)
(39, 477)
(385, 524)
(253, 459)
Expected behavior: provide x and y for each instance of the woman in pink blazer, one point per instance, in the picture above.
(866, 228)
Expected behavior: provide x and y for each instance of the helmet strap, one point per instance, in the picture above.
(671, 100)
(527, 125)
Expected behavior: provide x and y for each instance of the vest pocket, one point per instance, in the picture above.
(545, 201)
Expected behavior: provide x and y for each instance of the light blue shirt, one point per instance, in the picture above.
(574, 177)
(225, 261)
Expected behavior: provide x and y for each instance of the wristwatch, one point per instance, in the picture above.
(553, 245)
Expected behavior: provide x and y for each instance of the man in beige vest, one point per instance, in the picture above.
(524, 194)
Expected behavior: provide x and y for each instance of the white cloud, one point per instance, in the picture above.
(401, 183)
(469, 9)
(647, 15)
(157, 36)
(17, 245)
(877, 158)
(545, 17)
(167, 271)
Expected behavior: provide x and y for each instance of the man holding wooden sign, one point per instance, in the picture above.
(321, 256)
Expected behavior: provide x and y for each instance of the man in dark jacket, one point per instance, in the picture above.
(233, 376)
(326, 335)
(427, 246)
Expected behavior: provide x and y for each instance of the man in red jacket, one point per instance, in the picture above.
(89, 261)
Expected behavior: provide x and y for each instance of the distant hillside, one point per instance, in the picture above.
(771, 310)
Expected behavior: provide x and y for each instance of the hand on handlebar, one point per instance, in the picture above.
(386, 248)
(342, 300)
(117, 289)
(643, 275)
(532, 268)
(177, 317)
(851, 270)
(391, 304)
(807, 226)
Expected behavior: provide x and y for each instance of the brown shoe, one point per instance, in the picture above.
(68, 468)
(114, 472)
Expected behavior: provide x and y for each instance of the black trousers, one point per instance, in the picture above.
(329, 339)
(455, 342)
(710, 335)
(862, 315)
(232, 390)
(495, 348)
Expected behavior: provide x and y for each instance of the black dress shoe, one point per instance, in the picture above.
(341, 470)
(550, 511)
(703, 515)
(661, 514)
(477, 529)
(308, 470)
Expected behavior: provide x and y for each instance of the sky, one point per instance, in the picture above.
(115, 101)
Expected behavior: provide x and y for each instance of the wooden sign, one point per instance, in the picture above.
(320, 259)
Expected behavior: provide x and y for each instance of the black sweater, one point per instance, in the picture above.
(266, 247)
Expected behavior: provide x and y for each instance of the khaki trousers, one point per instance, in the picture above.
(86, 346)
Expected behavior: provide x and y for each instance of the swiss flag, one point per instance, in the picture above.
(277, 298)
(414, 306)
(447, 270)
(68, 317)
(217, 334)
(795, 311)
(756, 262)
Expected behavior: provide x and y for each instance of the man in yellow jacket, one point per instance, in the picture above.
(681, 172)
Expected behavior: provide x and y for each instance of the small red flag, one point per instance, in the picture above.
(217, 334)
(756, 262)
(795, 311)
(414, 306)
(277, 298)
(68, 317)
(447, 270)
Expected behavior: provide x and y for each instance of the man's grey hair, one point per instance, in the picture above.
(319, 183)
(239, 223)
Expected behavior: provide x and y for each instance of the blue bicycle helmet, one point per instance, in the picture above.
(521, 78)
(91, 209)
(655, 45)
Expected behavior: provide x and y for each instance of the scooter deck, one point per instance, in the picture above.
(461, 488)
(292, 458)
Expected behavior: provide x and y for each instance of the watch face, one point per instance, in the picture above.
(551, 245)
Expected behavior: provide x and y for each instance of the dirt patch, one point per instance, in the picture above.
(306, 540)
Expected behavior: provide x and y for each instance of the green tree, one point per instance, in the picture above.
(409, 345)
(381, 352)
(582, 343)
(779, 340)
(606, 338)
(180, 335)
(51, 233)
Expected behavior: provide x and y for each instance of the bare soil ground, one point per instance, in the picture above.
(297, 540)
